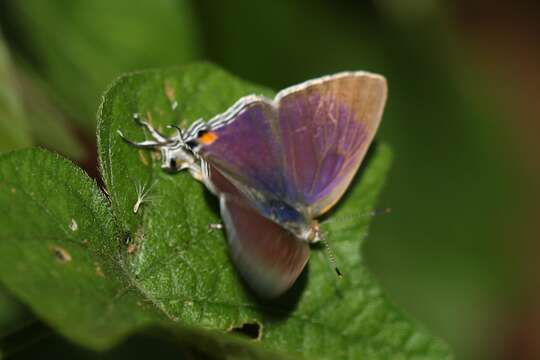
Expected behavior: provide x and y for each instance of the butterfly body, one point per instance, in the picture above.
(277, 164)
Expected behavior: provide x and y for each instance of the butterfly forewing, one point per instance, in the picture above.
(246, 147)
(303, 148)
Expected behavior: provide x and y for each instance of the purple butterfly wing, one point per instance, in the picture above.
(326, 128)
(244, 145)
(269, 257)
(303, 148)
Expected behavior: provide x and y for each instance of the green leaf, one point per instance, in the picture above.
(56, 255)
(49, 126)
(78, 47)
(13, 315)
(13, 125)
(186, 270)
(15, 134)
(27, 114)
(15, 319)
(60, 255)
(160, 271)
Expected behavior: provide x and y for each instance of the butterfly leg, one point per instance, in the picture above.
(160, 138)
(175, 156)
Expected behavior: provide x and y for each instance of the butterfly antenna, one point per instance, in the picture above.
(332, 258)
(179, 132)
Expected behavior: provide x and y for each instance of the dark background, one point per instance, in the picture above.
(459, 252)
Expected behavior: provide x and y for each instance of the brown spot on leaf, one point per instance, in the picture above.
(131, 248)
(149, 118)
(142, 156)
(13, 190)
(99, 272)
(133, 244)
(169, 91)
(61, 254)
(156, 155)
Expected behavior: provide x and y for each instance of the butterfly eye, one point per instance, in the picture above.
(192, 144)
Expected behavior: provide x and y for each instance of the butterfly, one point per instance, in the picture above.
(276, 165)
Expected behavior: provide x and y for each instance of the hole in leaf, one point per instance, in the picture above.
(251, 330)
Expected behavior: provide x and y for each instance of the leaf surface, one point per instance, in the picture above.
(60, 255)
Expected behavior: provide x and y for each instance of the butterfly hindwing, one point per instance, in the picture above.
(269, 257)
(326, 126)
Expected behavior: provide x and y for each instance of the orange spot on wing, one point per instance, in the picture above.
(208, 138)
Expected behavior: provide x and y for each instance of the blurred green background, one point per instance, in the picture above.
(458, 252)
